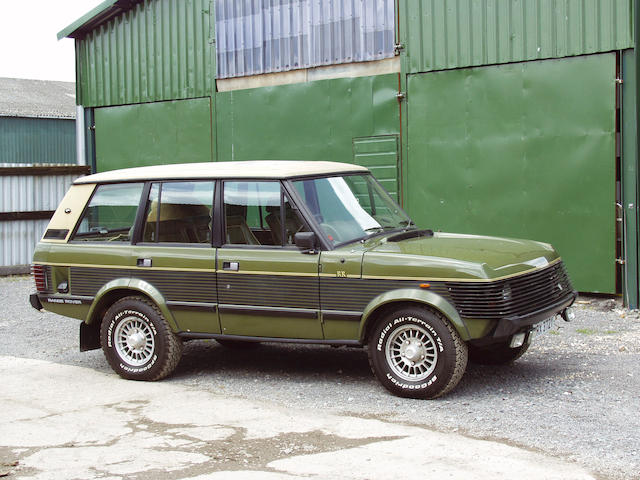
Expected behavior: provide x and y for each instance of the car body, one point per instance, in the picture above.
(287, 251)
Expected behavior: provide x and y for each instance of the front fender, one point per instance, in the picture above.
(133, 285)
(413, 295)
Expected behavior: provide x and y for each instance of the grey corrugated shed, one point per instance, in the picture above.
(37, 98)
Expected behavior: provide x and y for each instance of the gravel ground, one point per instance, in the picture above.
(575, 394)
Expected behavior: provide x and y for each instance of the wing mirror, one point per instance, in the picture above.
(305, 241)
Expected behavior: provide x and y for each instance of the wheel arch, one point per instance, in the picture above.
(396, 299)
(125, 287)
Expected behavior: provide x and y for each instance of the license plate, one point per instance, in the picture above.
(542, 327)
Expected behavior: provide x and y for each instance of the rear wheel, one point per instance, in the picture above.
(497, 354)
(137, 341)
(416, 353)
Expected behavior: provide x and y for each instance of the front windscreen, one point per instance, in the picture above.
(351, 207)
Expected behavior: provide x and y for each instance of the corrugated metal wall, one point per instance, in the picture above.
(37, 140)
(263, 36)
(443, 34)
(27, 193)
(159, 50)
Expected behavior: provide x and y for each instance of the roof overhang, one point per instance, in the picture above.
(99, 15)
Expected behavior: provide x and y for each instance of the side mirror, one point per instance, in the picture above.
(305, 241)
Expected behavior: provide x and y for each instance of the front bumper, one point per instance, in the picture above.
(509, 325)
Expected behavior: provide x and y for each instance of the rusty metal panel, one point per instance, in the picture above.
(263, 36)
(157, 50)
(444, 34)
(516, 150)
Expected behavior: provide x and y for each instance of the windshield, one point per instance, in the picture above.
(351, 207)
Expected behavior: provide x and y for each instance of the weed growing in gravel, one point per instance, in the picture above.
(586, 331)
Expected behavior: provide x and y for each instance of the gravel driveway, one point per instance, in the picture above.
(575, 394)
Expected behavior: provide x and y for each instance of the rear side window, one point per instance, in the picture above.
(111, 213)
(179, 212)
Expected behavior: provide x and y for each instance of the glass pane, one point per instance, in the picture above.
(179, 212)
(111, 213)
(351, 207)
(252, 213)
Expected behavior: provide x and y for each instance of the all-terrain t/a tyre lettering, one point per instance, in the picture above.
(137, 341)
(415, 352)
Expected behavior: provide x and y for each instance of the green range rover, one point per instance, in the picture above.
(308, 252)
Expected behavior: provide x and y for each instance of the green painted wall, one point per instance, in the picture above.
(522, 150)
(153, 134)
(443, 34)
(305, 121)
(158, 50)
(37, 140)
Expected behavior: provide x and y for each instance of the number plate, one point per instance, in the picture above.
(542, 327)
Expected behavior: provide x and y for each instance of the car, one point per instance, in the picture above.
(287, 251)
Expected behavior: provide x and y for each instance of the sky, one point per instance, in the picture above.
(29, 47)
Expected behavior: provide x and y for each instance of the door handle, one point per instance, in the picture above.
(144, 262)
(231, 266)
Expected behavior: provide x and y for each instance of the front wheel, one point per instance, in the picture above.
(416, 353)
(137, 341)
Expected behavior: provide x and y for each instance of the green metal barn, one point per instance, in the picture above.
(515, 118)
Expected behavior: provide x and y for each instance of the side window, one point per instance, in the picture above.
(254, 214)
(179, 212)
(111, 213)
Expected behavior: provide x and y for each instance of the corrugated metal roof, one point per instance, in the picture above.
(37, 98)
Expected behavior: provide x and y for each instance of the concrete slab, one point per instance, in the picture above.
(59, 421)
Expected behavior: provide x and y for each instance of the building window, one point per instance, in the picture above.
(264, 36)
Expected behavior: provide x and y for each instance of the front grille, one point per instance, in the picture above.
(512, 297)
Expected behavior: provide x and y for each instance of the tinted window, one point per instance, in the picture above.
(111, 213)
(179, 212)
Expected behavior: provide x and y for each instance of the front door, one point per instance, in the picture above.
(267, 287)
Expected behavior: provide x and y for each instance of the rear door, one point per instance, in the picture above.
(174, 252)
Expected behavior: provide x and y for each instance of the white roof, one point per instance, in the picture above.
(268, 169)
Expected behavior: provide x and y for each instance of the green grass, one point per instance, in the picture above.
(554, 332)
(586, 331)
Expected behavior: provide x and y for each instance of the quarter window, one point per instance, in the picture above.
(111, 213)
(179, 212)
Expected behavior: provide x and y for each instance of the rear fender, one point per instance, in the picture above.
(131, 287)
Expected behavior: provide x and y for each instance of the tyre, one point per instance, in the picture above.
(416, 353)
(237, 344)
(137, 341)
(497, 354)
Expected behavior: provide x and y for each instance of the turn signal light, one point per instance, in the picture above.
(425, 285)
